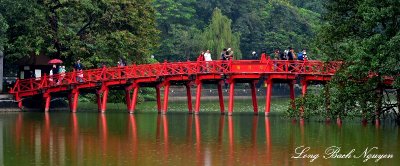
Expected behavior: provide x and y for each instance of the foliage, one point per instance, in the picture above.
(3, 30)
(218, 35)
(118, 96)
(364, 34)
(179, 35)
(95, 31)
(312, 105)
(262, 24)
(184, 36)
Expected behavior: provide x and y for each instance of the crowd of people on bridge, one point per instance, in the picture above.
(288, 54)
(226, 54)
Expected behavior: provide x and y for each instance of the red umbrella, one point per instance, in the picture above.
(55, 61)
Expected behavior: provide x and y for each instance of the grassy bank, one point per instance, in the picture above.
(278, 105)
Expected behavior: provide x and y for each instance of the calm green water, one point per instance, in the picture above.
(146, 138)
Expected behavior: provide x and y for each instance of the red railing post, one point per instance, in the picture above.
(73, 76)
(230, 66)
(44, 81)
(287, 65)
(305, 63)
(164, 70)
(31, 84)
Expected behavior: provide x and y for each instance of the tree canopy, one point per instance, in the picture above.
(364, 35)
(262, 24)
(96, 31)
(218, 35)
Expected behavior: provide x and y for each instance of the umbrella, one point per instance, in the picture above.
(55, 61)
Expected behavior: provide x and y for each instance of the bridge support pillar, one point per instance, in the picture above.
(254, 96)
(292, 97)
(166, 94)
(304, 86)
(198, 97)
(19, 100)
(221, 97)
(132, 105)
(73, 100)
(102, 96)
(231, 97)
(189, 98)
(269, 83)
(158, 96)
(47, 99)
(303, 91)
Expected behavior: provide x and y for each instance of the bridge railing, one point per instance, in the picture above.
(177, 68)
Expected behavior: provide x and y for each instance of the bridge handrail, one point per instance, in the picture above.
(177, 68)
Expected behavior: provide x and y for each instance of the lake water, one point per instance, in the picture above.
(147, 138)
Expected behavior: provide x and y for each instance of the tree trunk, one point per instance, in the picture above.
(398, 106)
(363, 105)
(378, 107)
(327, 101)
(1, 68)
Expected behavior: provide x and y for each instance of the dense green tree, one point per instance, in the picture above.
(172, 12)
(96, 31)
(218, 35)
(262, 24)
(3, 31)
(289, 26)
(313, 5)
(176, 21)
(364, 35)
(3, 40)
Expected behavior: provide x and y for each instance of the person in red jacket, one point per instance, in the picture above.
(201, 57)
(264, 56)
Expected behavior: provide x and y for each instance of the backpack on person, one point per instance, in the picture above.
(300, 56)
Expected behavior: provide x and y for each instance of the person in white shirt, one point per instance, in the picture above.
(207, 58)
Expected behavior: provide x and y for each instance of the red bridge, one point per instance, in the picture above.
(131, 78)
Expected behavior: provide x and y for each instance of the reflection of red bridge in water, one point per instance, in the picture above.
(91, 143)
(130, 78)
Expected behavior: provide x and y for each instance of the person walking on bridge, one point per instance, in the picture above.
(79, 70)
(200, 61)
(223, 54)
(207, 58)
(264, 57)
(229, 54)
